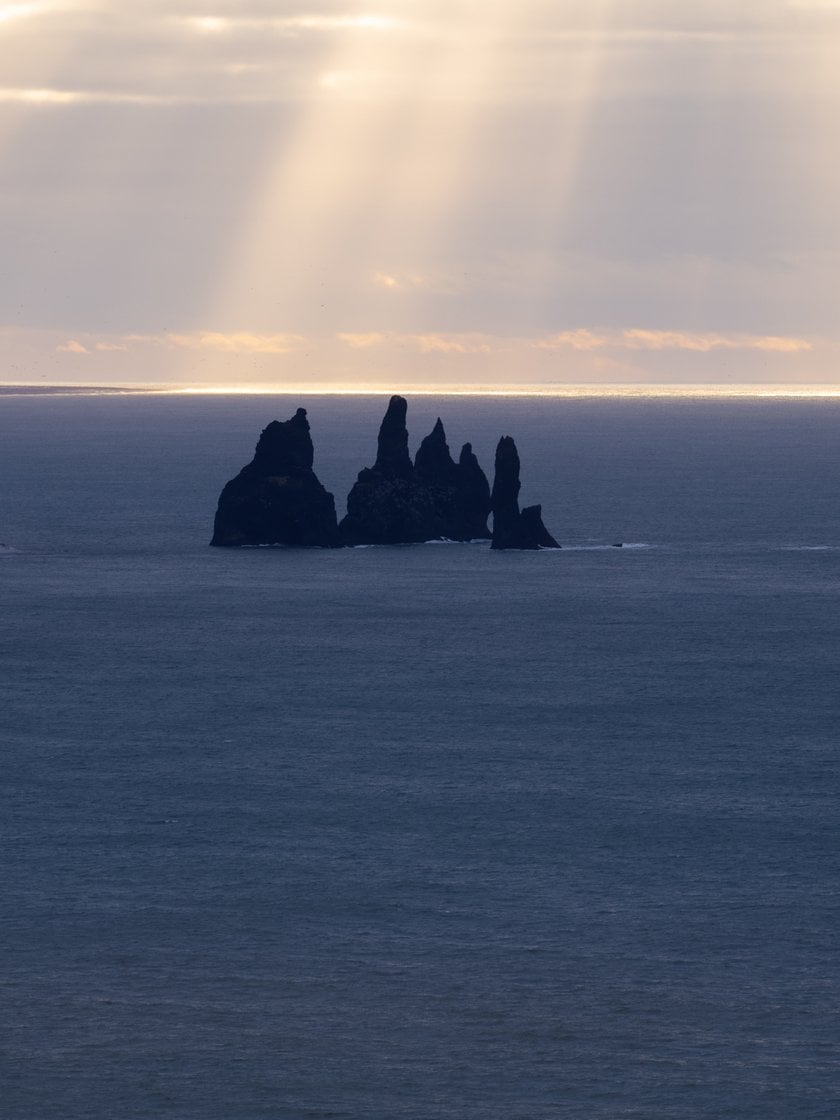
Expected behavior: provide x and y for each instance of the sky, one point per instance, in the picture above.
(410, 194)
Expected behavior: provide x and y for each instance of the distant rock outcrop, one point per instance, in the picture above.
(277, 498)
(473, 496)
(397, 502)
(392, 457)
(512, 528)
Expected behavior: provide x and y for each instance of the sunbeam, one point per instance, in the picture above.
(316, 186)
(31, 55)
(364, 191)
(438, 192)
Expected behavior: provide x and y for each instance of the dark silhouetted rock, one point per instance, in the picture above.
(531, 524)
(433, 464)
(392, 457)
(277, 499)
(512, 528)
(473, 495)
(395, 502)
(504, 500)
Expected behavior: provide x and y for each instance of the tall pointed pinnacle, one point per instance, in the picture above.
(473, 494)
(285, 447)
(512, 529)
(436, 499)
(505, 496)
(433, 461)
(392, 458)
(506, 484)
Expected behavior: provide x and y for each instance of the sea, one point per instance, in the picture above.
(426, 832)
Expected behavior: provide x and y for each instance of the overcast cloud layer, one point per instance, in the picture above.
(511, 192)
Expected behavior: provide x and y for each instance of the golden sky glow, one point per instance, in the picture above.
(404, 195)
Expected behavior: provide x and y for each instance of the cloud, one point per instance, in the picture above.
(449, 344)
(235, 342)
(52, 97)
(180, 54)
(704, 343)
(430, 343)
(214, 25)
(413, 281)
(384, 280)
(401, 361)
(19, 11)
(363, 341)
(238, 342)
(521, 185)
(41, 96)
(640, 339)
(452, 344)
(581, 339)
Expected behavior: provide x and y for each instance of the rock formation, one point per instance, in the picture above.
(397, 502)
(392, 457)
(277, 498)
(513, 528)
(473, 497)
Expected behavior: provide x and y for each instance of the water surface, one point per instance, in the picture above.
(422, 832)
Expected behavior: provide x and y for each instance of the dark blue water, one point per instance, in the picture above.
(423, 832)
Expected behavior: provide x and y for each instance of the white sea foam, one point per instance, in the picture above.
(810, 548)
(605, 547)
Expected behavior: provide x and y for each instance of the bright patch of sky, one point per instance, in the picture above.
(405, 193)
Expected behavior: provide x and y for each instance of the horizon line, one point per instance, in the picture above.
(560, 392)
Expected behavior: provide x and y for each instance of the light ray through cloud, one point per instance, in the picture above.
(16, 11)
(40, 65)
(558, 159)
(429, 176)
(323, 186)
(303, 202)
(547, 188)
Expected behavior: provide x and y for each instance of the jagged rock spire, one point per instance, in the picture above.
(532, 527)
(392, 458)
(395, 502)
(473, 495)
(505, 496)
(285, 447)
(277, 498)
(433, 461)
(512, 528)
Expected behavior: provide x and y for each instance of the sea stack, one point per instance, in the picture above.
(392, 457)
(512, 528)
(399, 502)
(473, 496)
(277, 498)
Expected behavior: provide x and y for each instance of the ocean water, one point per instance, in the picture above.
(421, 833)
